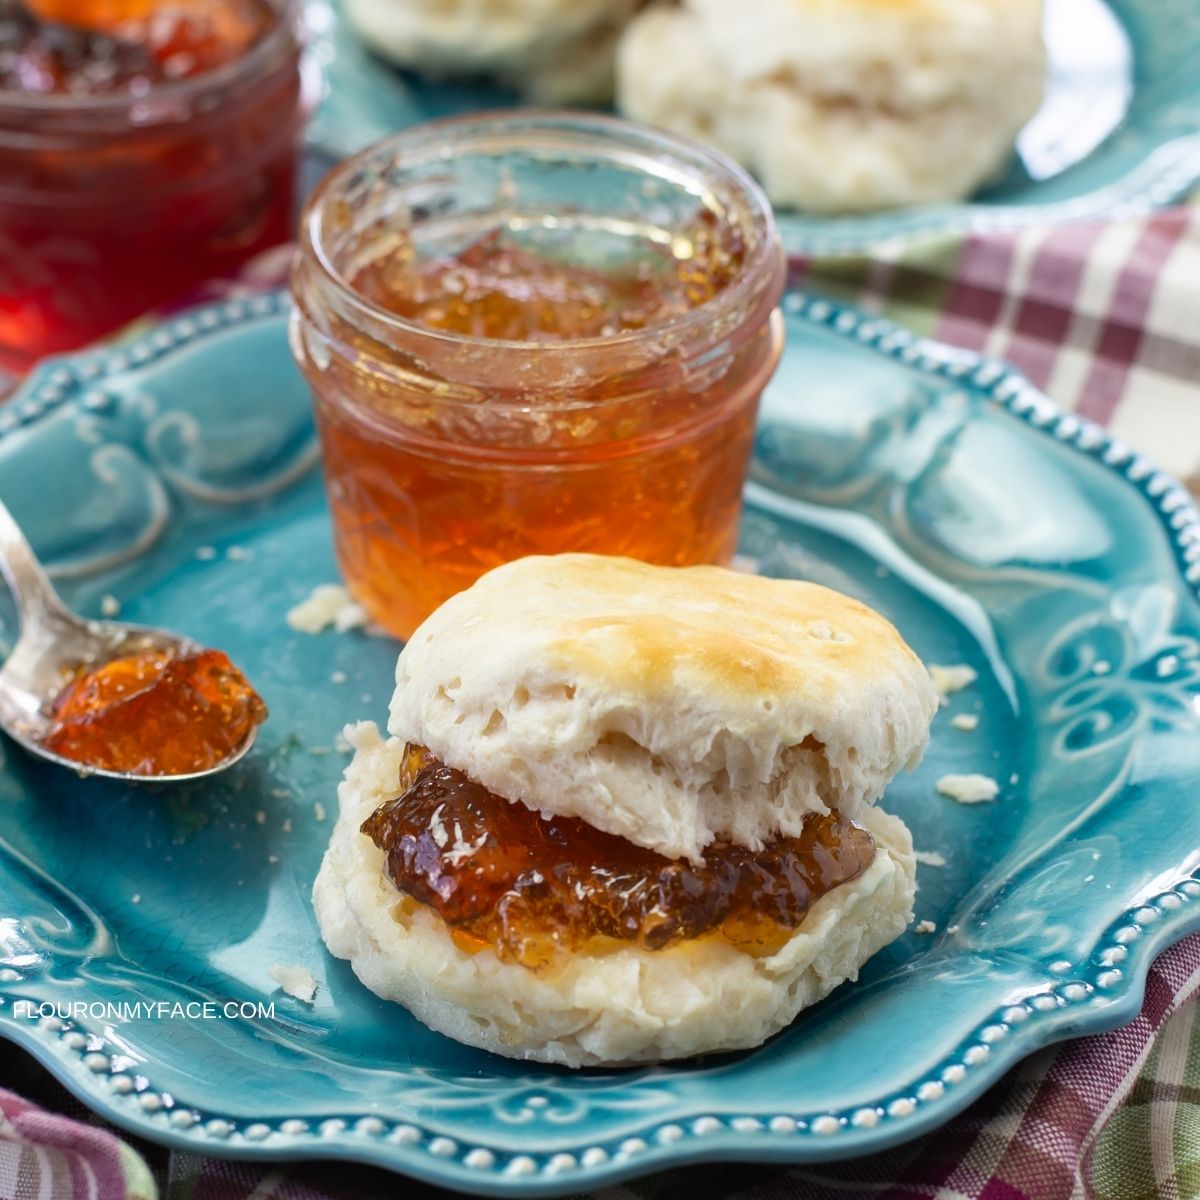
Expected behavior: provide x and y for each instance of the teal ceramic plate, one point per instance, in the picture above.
(1118, 134)
(176, 475)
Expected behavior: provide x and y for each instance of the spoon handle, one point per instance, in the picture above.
(30, 585)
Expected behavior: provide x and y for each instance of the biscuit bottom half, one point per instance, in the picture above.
(628, 1004)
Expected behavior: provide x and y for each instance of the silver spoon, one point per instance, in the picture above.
(53, 642)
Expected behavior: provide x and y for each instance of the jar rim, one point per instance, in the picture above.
(280, 35)
(517, 125)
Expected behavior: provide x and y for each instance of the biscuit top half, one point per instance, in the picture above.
(669, 706)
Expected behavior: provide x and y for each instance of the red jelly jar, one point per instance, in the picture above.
(125, 181)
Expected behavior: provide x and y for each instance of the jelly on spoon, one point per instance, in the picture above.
(111, 699)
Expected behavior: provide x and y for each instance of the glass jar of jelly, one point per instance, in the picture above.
(531, 333)
(145, 146)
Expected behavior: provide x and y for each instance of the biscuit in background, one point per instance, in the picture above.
(843, 105)
(553, 51)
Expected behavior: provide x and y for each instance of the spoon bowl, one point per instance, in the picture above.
(54, 642)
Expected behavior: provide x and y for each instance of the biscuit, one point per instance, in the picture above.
(554, 51)
(843, 105)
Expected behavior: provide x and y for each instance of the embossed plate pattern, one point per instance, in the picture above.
(177, 475)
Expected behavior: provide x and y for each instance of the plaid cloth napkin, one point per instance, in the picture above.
(1102, 317)
(1106, 319)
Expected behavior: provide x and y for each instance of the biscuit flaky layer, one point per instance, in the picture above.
(630, 1006)
(668, 706)
(843, 105)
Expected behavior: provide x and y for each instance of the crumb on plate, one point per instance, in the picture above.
(929, 858)
(294, 980)
(926, 927)
(948, 680)
(968, 789)
(110, 606)
(965, 721)
(327, 604)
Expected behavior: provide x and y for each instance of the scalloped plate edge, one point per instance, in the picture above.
(443, 1160)
(1061, 1010)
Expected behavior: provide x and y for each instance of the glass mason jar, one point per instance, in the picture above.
(447, 453)
(111, 205)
